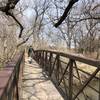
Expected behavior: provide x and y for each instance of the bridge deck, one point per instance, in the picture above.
(36, 85)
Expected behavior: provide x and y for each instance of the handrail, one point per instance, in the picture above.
(67, 78)
(92, 62)
(9, 78)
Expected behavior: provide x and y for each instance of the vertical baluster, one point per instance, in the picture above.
(37, 54)
(45, 61)
(50, 63)
(16, 80)
(99, 85)
(71, 79)
(41, 58)
(57, 68)
(52, 69)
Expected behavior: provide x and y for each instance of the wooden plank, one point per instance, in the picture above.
(37, 85)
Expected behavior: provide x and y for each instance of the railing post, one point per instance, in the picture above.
(71, 79)
(21, 73)
(99, 86)
(57, 66)
(45, 66)
(50, 63)
(38, 57)
(52, 69)
(42, 59)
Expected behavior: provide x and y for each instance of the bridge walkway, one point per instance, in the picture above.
(36, 85)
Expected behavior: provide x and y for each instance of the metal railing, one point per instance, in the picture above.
(66, 72)
(9, 78)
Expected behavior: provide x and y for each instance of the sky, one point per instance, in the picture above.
(29, 14)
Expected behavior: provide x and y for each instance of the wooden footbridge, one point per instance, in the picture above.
(50, 76)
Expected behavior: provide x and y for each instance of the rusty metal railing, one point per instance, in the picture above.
(71, 74)
(9, 78)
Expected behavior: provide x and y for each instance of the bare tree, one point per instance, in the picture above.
(7, 40)
(7, 8)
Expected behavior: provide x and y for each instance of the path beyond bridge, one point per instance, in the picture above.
(36, 84)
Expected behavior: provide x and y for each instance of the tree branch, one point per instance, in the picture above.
(88, 18)
(62, 18)
(21, 27)
(6, 9)
(23, 42)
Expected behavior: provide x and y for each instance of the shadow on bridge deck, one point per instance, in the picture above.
(36, 84)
